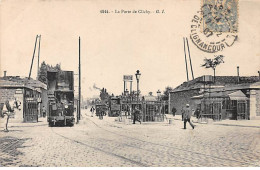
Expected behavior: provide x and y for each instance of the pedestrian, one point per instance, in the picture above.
(197, 113)
(134, 114)
(101, 114)
(137, 115)
(182, 114)
(127, 112)
(187, 115)
(92, 110)
(173, 111)
(43, 111)
(6, 112)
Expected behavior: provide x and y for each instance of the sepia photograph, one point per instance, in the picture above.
(129, 83)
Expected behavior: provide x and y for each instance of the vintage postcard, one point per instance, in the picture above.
(129, 83)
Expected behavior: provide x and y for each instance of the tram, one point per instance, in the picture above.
(114, 107)
(60, 98)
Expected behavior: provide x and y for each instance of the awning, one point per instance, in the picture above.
(237, 95)
(210, 95)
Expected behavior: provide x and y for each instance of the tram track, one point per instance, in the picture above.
(15, 142)
(171, 147)
(12, 145)
(100, 150)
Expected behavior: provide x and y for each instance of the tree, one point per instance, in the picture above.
(166, 93)
(46, 67)
(43, 73)
(213, 63)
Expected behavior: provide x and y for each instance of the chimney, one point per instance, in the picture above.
(238, 74)
(5, 73)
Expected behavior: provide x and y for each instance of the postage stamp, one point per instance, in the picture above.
(215, 26)
(220, 15)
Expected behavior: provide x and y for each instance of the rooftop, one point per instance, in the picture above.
(17, 81)
(219, 81)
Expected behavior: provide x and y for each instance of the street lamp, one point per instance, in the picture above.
(158, 94)
(137, 75)
(126, 92)
(126, 95)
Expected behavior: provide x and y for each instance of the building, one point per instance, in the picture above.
(229, 97)
(31, 93)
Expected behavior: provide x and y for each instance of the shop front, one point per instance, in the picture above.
(223, 105)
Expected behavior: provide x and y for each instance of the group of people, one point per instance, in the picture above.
(100, 114)
(136, 113)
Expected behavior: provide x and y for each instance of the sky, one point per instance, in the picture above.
(113, 45)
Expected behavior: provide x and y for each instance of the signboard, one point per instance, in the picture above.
(19, 91)
(115, 107)
(128, 77)
(39, 100)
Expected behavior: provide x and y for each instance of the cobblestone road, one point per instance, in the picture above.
(96, 142)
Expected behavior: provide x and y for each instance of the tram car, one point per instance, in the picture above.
(101, 108)
(114, 107)
(60, 98)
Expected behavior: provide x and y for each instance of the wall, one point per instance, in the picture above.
(181, 98)
(258, 103)
(254, 104)
(7, 94)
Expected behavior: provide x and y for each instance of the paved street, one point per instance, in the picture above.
(107, 142)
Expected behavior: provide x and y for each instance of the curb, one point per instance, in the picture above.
(237, 125)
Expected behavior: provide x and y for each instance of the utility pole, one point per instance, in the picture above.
(39, 57)
(186, 60)
(79, 111)
(190, 58)
(33, 57)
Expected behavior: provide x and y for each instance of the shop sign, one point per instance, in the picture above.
(128, 78)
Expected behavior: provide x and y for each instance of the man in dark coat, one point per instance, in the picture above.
(137, 114)
(92, 111)
(197, 113)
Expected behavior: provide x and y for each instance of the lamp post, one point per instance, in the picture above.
(126, 92)
(160, 103)
(126, 95)
(158, 94)
(137, 75)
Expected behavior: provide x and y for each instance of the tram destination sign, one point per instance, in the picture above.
(128, 77)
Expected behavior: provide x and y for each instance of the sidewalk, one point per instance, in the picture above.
(12, 123)
(240, 123)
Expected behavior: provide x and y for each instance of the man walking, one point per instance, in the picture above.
(137, 115)
(187, 115)
(92, 111)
